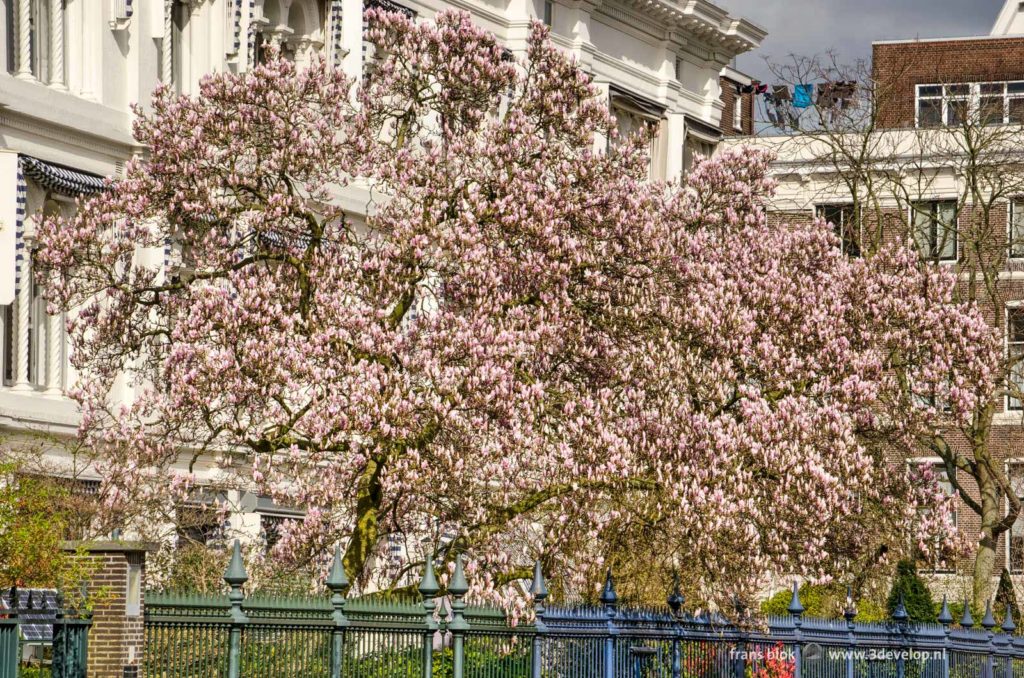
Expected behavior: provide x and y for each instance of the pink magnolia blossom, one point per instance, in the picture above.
(526, 346)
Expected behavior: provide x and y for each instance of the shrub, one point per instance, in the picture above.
(826, 601)
(916, 597)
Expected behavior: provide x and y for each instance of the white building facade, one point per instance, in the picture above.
(71, 69)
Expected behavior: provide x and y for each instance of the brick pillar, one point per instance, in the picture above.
(115, 641)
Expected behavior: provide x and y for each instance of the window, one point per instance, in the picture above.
(696, 149)
(133, 587)
(940, 560)
(634, 114)
(271, 527)
(549, 12)
(1015, 547)
(929, 105)
(934, 229)
(1015, 234)
(845, 224)
(989, 103)
(197, 525)
(737, 112)
(1015, 351)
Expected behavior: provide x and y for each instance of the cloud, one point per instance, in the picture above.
(808, 27)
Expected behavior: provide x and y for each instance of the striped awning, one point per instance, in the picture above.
(60, 179)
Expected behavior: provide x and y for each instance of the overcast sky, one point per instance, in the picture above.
(808, 27)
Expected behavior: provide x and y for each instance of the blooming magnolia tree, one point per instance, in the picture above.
(526, 347)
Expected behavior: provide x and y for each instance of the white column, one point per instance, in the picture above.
(25, 40)
(21, 352)
(54, 354)
(166, 63)
(57, 44)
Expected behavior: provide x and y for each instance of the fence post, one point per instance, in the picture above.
(610, 600)
(1008, 627)
(9, 637)
(796, 610)
(988, 622)
(458, 587)
(539, 591)
(945, 618)
(337, 584)
(739, 660)
(900, 616)
(236, 578)
(850, 613)
(429, 590)
(675, 604)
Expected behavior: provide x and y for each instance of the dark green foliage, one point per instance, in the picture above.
(1006, 596)
(916, 596)
(823, 602)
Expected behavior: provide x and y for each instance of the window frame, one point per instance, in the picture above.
(1009, 466)
(1012, 213)
(939, 467)
(1013, 306)
(972, 97)
(839, 231)
(934, 205)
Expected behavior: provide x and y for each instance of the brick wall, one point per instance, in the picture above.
(900, 67)
(116, 638)
(731, 98)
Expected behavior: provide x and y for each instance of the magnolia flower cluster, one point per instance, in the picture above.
(527, 350)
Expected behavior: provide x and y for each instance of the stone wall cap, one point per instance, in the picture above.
(111, 546)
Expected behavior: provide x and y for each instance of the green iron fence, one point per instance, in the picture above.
(237, 637)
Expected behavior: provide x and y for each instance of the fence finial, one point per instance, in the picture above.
(850, 611)
(675, 599)
(608, 595)
(795, 608)
(235, 574)
(236, 578)
(458, 587)
(1008, 624)
(945, 618)
(900, 613)
(428, 585)
(539, 589)
(967, 621)
(337, 580)
(988, 621)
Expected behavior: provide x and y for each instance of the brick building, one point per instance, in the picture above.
(929, 103)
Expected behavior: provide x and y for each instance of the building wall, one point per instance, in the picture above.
(731, 98)
(898, 67)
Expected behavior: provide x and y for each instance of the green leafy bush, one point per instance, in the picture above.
(917, 598)
(824, 601)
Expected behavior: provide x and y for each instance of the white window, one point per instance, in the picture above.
(1015, 537)
(737, 112)
(634, 114)
(845, 224)
(696, 149)
(1015, 233)
(133, 590)
(935, 229)
(1015, 352)
(989, 103)
(939, 560)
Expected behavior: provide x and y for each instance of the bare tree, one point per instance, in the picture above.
(943, 170)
